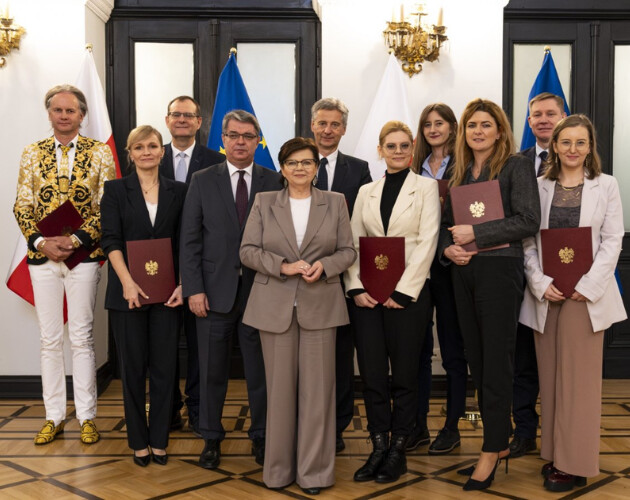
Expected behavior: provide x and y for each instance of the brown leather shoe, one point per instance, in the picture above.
(561, 481)
(48, 432)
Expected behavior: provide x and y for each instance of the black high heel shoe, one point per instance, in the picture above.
(473, 484)
(142, 461)
(160, 459)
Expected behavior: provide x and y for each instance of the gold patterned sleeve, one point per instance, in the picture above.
(102, 169)
(25, 200)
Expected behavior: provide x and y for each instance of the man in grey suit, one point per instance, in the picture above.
(545, 111)
(344, 174)
(217, 285)
(182, 158)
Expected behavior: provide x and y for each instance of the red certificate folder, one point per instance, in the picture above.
(64, 221)
(477, 203)
(381, 264)
(151, 267)
(567, 255)
(443, 191)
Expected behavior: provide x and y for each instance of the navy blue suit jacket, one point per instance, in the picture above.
(202, 157)
(350, 174)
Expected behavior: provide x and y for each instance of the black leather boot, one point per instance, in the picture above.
(380, 445)
(395, 464)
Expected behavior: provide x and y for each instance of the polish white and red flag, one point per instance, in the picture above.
(95, 125)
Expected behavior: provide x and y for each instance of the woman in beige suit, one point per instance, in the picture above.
(569, 331)
(407, 205)
(299, 241)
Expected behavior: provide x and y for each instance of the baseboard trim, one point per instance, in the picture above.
(30, 386)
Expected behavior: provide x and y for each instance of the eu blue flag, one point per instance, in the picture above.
(231, 94)
(546, 81)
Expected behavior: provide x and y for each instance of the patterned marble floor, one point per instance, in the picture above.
(68, 469)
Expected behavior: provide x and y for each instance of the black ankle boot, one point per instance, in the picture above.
(395, 464)
(380, 445)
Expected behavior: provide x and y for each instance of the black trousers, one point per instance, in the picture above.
(214, 334)
(147, 339)
(393, 337)
(451, 349)
(488, 294)
(192, 362)
(525, 384)
(344, 372)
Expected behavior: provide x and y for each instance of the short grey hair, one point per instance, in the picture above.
(331, 104)
(242, 116)
(71, 89)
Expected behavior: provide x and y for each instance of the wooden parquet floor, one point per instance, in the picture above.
(68, 469)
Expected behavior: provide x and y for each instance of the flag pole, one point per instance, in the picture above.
(88, 47)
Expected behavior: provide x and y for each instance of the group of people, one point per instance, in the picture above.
(274, 257)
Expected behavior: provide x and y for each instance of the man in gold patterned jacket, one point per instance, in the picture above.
(64, 167)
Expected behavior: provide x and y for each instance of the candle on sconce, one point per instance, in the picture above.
(6, 10)
(402, 13)
(440, 19)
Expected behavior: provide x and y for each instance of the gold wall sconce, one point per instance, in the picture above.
(414, 42)
(10, 35)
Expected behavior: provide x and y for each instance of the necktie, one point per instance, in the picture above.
(241, 197)
(64, 172)
(180, 170)
(543, 157)
(322, 175)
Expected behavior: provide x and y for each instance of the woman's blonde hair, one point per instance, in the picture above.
(140, 134)
(503, 148)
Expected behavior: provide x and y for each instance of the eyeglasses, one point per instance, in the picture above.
(293, 164)
(333, 125)
(188, 116)
(565, 145)
(233, 136)
(405, 147)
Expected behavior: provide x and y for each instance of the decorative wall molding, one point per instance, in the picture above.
(102, 8)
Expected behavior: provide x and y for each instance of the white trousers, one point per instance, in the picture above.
(50, 280)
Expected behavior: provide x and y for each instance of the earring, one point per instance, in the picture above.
(314, 181)
(587, 161)
(285, 181)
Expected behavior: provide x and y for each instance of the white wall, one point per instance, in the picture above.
(50, 53)
(353, 61)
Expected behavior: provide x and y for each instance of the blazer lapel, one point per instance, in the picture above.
(282, 212)
(194, 164)
(165, 200)
(136, 200)
(48, 163)
(319, 207)
(405, 198)
(81, 164)
(546, 191)
(590, 199)
(341, 170)
(167, 162)
(225, 188)
(374, 202)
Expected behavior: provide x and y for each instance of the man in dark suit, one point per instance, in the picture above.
(182, 158)
(343, 174)
(545, 110)
(217, 285)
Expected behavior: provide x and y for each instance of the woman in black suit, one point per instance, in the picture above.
(488, 285)
(143, 205)
(434, 157)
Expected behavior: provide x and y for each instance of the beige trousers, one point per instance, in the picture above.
(300, 434)
(569, 358)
